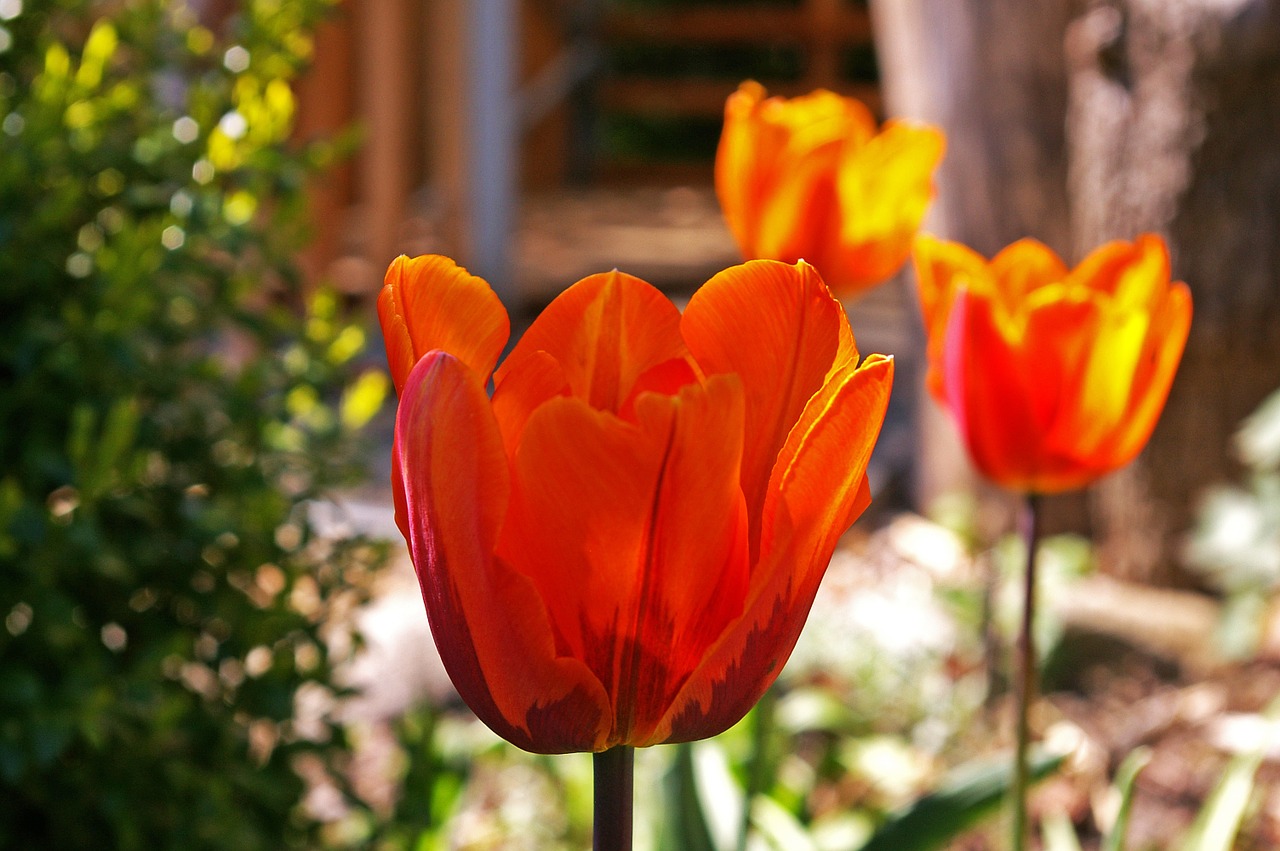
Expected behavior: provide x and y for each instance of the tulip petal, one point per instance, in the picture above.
(1023, 267)
(605, 331)
(799, 219)
(430, 302)
(743, 164)
(884, 189)
(635, 535)
(845, 417)
(524, 387)
(775, 169)
(488, 622)
(941, 268)
(1143, 283)
(779, 329)
(821, 488)
(988, 393)
(1105, 266)
(1153, 378)
(1100, 390)
(1070, 390)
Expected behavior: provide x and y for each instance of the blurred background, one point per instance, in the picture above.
(211, 634)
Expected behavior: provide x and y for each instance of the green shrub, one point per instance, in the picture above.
(168, 409)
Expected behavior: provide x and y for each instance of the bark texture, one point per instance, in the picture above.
(1079, 122)
(1172, 123)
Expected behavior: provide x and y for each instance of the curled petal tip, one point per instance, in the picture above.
(431, 303)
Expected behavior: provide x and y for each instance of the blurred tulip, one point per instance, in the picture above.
(810, 178)
(1055, 377)
(621, 544)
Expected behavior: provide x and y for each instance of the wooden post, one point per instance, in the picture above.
(492, 144)
(447, 100)
(823, 69)
(326, 106)
(386, 107)
(473, 128)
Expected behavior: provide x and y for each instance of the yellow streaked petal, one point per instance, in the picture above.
(1024, 267)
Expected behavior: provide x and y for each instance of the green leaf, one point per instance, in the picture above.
(690, 782)
(1218, 822)
(964, 798)
(98, 50)
(1058, 833)
(779, 829)
(1125, 784)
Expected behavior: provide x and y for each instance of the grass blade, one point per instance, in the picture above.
(963, 799)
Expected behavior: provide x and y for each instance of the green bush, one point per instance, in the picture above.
(170, 403)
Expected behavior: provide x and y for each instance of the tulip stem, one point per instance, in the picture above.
(614, 781)
(1026, 675)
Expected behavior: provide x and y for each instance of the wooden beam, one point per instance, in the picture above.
(822, 64)
(493, 142)
(386, 104)
(719, 25)
(688, 98)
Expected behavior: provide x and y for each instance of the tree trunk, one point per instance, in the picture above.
(1172, 124)
(1077, 127)
(993, 75)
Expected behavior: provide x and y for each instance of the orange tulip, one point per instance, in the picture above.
(621, 544)
(811, 178)
(1055, 377)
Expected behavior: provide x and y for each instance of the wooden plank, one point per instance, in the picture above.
(822, 65)
(693, 98)
(386, 97)
(326, 107)
(448, 105)
(737, 25)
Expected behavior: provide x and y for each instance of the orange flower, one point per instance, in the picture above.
(811, 178)
(620, 546)
(1054, 377)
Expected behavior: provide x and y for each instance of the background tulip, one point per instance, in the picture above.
(812, 178)
(1054, 376)
(620, 545)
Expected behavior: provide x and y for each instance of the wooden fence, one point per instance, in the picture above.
(822, 30)
(402, 70)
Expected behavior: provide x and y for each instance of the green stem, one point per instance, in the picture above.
(614, 794)
(1026, 676)
(761, 731)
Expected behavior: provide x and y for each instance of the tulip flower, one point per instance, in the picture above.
(619, 545)
(1054, 377)
(812, 178)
